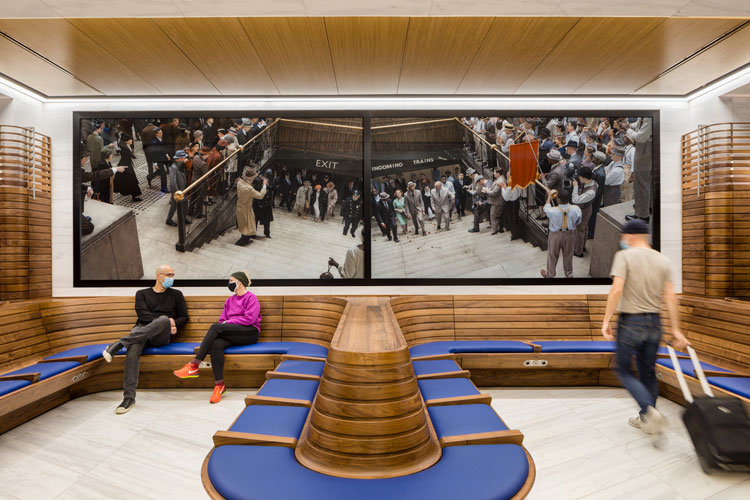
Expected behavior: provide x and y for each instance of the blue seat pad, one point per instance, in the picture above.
(291, 389)
(93, 351)
(446, 388)
(484, 472)
(576, 345)
(687, 366)
(271, 420)
(468, 346)
(46, 370)
(8, 386)
(295, 348)
(464, 419)
(737, 385)
(663, 350)
(173, 348)
(301, 367)
(435, 366)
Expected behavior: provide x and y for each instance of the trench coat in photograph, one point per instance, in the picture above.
(246, 193)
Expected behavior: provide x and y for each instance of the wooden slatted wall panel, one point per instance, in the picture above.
(25, 214)
(23, 338)
(311, 318)
(716, 206)
(520, 317)
(598, 306)
(426, 318)
(719, 328)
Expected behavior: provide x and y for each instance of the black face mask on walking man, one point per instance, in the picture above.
(232, 286)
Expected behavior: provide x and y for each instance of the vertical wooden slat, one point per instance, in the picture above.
(25, 214)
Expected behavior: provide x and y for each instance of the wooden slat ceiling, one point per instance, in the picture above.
(370, 55)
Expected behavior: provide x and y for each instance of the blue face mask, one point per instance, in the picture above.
(168, 282)
(624, 245)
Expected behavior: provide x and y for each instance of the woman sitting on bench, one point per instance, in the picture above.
(239, 324)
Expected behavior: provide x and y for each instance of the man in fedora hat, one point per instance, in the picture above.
(440, 198)
(574, 160)
(563, 220)
(415, 207)
(615, 177)
(177, 182)
(583, 196)
(386, 217)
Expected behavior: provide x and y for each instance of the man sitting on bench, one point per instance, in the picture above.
(161, 311)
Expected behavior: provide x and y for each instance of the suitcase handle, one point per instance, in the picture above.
(681, 376)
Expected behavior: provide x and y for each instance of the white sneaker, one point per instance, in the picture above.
(636, 422)
(107, 356)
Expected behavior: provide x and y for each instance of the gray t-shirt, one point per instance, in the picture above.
(645, 271)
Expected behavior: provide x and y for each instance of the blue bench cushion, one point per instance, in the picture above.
(663, 350)
(301, 367)
(737, 385)
(446, 388)
(295, 348)
(687, 366)
(93, 351)
(576, 345)
(173, 348)
(46, 370)
(8, 386)
(435, 366)
(479, 472)
(464, 419)
(468, 346)
(291, 389)
(270, 420)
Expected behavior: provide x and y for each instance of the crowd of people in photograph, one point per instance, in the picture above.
(178, 154)
(584, 164)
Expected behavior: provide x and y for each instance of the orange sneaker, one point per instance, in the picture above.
(188, 371)
(218, 391)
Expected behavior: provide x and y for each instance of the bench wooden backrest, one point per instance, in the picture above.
(30, 331)
(719, 328)
(23, 338)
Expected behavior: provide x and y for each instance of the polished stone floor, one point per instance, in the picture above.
(579, 437)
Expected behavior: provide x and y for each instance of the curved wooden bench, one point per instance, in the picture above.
(32, 331)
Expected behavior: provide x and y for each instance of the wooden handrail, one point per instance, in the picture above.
(492, 146)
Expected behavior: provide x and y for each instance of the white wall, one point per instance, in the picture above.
(57, 121)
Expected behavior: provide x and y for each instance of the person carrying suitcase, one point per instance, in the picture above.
(640, 277)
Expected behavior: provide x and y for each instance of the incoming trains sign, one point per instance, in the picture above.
(384, 164)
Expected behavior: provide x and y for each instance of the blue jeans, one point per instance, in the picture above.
(639, 335)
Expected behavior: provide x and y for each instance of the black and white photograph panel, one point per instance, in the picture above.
(279, 196)
(506, 196)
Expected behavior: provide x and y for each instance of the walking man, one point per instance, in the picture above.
(640, 277)
(161, 311)
(415, 207)
(441, 204)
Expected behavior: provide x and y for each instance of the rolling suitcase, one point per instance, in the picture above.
(718, 427)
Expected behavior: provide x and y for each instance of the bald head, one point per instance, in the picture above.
(438, 185)
(164, 278)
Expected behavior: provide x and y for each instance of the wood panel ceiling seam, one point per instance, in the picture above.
(476, 53)
(46, 60)
(403, 52)
(186, 55)
(605, 67)
(704, 48)
(330, 56)
(262, 62)
(552, 47)
(114, 56)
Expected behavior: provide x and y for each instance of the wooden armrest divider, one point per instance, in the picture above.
(292, 376)
(457, 374)
(31, 377)
(224, 438)
(461, 400)
(294, 357)
(433, 357)
(494, 437)
(82, 359)
(273, 401)
(537, 347)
